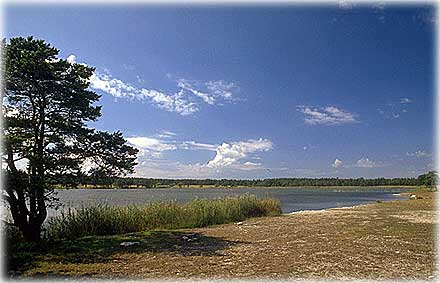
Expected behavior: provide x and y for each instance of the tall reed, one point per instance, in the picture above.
(110, 220)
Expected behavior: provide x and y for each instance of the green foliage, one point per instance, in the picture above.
(111, 220)
(429, 179)
(131, 182)
(46, 107)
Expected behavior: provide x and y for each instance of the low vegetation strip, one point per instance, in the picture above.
(111, 220)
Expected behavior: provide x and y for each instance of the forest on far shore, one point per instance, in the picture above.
(427, 180)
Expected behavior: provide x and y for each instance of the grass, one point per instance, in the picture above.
(91, 252)
(90, 235)
(111, 220)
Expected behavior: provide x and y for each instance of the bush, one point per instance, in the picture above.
(110, 220)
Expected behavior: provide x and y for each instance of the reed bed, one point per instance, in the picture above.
(111, 220)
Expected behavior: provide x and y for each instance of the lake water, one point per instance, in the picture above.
(292, 199)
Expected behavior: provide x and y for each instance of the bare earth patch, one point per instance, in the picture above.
(389, 240)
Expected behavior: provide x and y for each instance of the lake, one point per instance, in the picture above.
(292, 199)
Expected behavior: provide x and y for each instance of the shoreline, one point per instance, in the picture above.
(401, 194)
(380, 240)
(351, 207)
(254, 187)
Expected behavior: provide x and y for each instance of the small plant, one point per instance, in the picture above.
(110, 220)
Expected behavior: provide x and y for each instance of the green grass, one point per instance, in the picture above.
(111, 220)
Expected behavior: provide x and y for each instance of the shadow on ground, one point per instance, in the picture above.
(101, 249)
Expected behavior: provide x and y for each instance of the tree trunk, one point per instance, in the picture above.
(31, 232)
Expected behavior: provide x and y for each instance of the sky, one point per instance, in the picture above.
(253, 92)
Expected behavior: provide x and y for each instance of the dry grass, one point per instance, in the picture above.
(390, 240)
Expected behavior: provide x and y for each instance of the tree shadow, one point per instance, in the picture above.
(102, 249)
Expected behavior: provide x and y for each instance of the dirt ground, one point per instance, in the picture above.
(384, 240)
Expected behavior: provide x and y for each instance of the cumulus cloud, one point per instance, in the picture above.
(227, 154)
(366, 163)
(329, 115)
(230, 153)
(337, 163)
(171, 169)
(230, 158)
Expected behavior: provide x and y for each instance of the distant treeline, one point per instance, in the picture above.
(129, 182)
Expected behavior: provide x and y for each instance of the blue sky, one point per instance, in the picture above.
(255, 92)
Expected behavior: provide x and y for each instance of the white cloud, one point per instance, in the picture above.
(230, 153)
(150, 147)
(119, 89)
(150, 143)
(366, 163)
(337, 163)
(154, 146)
(172, 103)
(171, 169)
(227, 161)
(418, 153)
(184, 84)
(197, 146)
(181, 102)
(166, 134)
(222, 89)
(115, 87)
(250, 166)
(405, 100)
(71, 59)
(214, 93)
(326, 116)
(227, 154)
